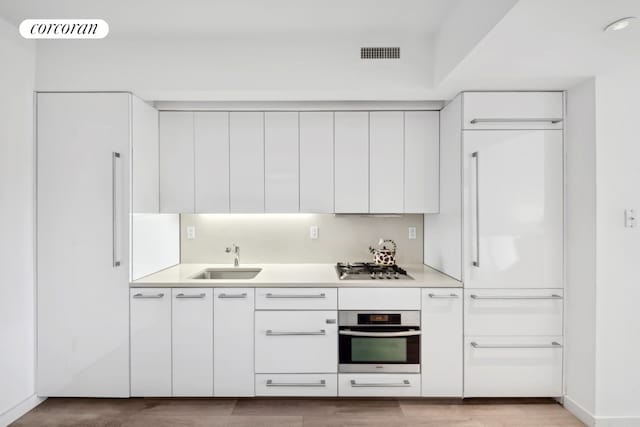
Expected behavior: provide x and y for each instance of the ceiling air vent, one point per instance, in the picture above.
(379, 53)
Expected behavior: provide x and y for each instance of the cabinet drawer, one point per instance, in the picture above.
(513, 110)
(379, 299)
(296, 385)
(379, 385)
(513, 312)
(296, 341)
(296, 298)
(513, 366)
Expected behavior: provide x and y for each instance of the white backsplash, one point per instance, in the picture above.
(284, 238)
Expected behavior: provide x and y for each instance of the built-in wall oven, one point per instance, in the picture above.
(379, 341)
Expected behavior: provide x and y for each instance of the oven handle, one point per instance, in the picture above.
(351, 333)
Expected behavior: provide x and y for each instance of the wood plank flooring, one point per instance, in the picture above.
(296, 412)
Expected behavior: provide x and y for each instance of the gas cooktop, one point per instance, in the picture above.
(370, 271)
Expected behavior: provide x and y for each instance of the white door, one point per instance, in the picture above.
(351, 162)
(441, 342)
(513, 209)
(386, 164)
(150, 342)
(145, 174)
(233, 370)
(281, 162)
(211, 159)
(247, 162)
(82, 250)
(176, 162)
(316, 162)
(421, 161)
(192, 341)
(296, 342)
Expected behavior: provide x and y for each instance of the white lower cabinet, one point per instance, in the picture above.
(233, 311)
(296, 384)
(513, 366)
(192, 341)
(441, 346)
(150, 342)
(296, 341)
(393, 385)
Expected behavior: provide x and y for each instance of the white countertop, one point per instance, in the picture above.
(296, 275)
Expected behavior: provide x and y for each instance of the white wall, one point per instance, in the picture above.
(618, 248)
(270, 68)
(17, 74)
(580, 229)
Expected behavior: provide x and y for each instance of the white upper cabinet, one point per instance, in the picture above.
(421, 161)
(316, 162)
(281, 162)
(513, 209)
(211, 158)
(145, 183)
(176, 162)
(246, 162)
(351, 162)
(386, 162)
(512, 110)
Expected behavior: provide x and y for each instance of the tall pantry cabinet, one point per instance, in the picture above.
(83, 205)
(500, 231)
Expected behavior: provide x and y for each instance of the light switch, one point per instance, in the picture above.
(630, 218)
(191, 232)
(412, 233)
(313, 232)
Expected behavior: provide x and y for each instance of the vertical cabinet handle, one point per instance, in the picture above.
(476, 157)
(115, 209)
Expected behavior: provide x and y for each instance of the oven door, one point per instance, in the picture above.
(379, 349)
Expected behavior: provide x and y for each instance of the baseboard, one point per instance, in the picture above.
(581, 413)
(20, 409)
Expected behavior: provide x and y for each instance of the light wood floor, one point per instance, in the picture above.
(298, 412)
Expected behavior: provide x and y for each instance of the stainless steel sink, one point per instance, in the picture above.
(227, 273)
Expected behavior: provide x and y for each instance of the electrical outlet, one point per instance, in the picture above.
(412, 233)
(313, 232)
(630, 218)
(191, 232)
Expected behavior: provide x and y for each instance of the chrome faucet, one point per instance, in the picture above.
(236, 254)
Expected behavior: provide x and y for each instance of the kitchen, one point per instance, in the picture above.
(207, 241)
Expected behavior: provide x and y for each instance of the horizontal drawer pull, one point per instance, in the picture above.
(447, 296)
(553, 296)
(147, 296)
(541, 120)
(554, 344)
(270, 295)
(322, 383)
(289, 333)
(197, 296)
(379, 334)
(404, 383)
(242, 295)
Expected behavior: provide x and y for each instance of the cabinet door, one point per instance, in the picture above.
(145, 184)
(82, 251)
(421, 161)
(386, 165)
(150, 342)
(247, 162)
(211, 142)
(233, 370)
(296, 342)
(441, 342)
(351, 162)
(513, 209)
(192, 341)
(176, 162)
(281, 162)
(316, 162)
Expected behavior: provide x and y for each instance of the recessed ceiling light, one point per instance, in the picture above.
(620, 24)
